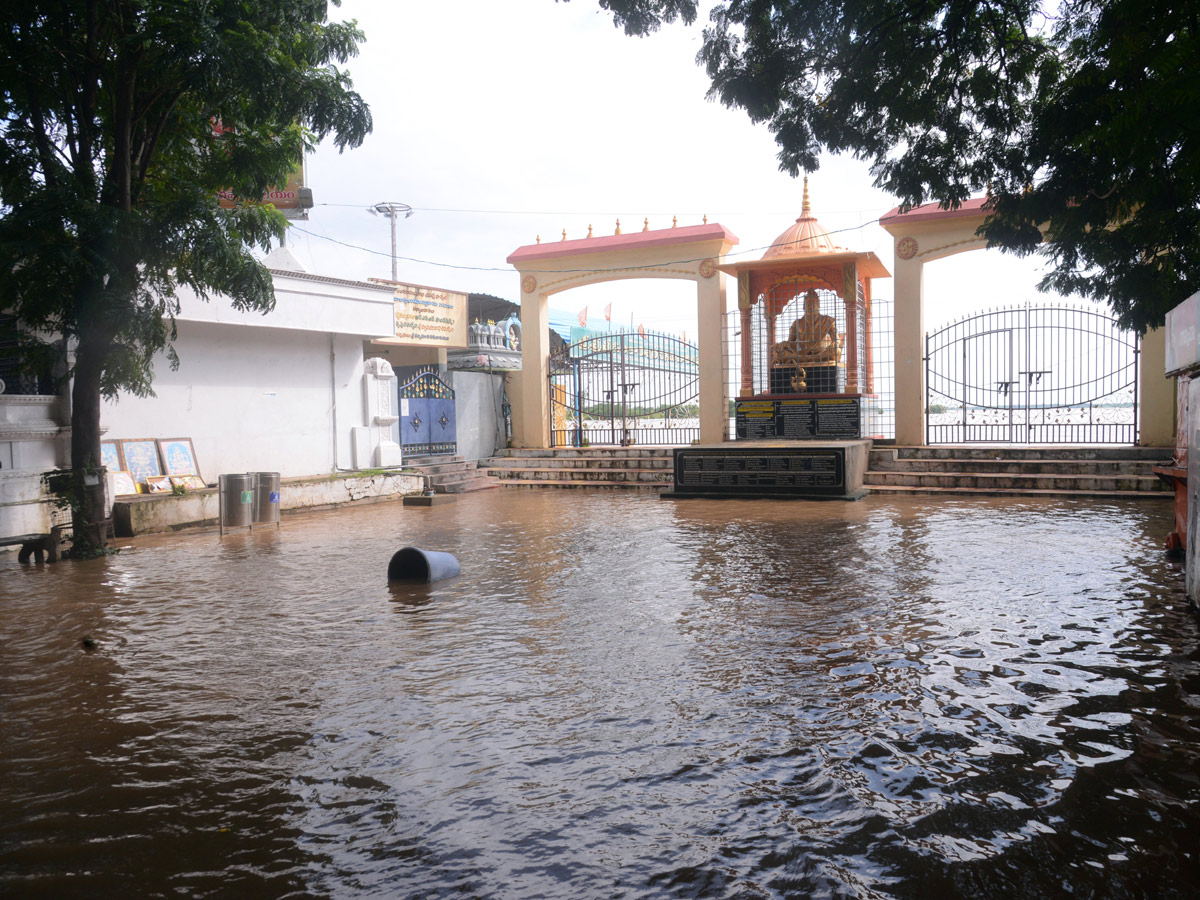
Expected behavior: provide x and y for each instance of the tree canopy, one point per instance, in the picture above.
(1075, 117)
(121, 121)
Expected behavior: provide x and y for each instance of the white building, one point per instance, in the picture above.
(282, 392)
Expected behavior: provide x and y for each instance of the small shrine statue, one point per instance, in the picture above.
(808, 360)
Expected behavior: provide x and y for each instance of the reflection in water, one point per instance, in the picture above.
(619, 697)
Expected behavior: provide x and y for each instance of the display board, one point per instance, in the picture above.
(815, 418)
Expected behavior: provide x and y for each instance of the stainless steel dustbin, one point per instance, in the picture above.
(266, 497)
(236, 501)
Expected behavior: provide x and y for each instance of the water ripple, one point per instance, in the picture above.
(620, 697)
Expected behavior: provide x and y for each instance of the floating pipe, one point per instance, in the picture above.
(412, 564)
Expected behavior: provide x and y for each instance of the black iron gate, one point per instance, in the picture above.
(625, 388)
(1032, 375)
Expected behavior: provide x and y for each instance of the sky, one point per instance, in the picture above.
(499, 122)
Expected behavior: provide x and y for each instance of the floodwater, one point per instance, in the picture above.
(620, 697)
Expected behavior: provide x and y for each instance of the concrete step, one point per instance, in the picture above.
(1001, 492)
(585, 462)
(588, 453)
(1010, 482)
(593, 467)
(551, 473)
(451, 474)
(1033, 471)
(1048, 452)
(583, 485)
(885, 462)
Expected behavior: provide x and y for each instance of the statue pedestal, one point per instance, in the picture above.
(745, 470)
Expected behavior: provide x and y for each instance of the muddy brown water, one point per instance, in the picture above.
(619, 697)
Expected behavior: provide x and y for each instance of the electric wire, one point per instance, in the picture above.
(467, 268)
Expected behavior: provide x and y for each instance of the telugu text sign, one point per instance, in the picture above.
(429, 317)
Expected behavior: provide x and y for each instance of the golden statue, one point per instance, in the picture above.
(813, 342)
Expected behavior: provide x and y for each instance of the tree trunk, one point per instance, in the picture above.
(87, 482)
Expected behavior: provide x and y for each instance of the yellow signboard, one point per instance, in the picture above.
(430, 317)
(286, 197)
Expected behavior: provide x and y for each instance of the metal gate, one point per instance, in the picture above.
(623, 389)
(1032, 375)
(427, 423)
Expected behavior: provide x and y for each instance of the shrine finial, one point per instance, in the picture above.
(806, 209)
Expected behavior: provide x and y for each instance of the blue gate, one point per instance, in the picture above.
(427, 424)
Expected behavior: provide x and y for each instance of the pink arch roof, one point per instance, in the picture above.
(931, 212)
(634, 240)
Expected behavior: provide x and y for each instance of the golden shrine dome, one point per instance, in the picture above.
(807, 237)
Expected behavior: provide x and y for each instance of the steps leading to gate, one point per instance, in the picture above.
(610, 468)
(451, 474)
(1031, 471)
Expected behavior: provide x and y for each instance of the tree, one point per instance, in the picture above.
(121, 120)
(1075, 117)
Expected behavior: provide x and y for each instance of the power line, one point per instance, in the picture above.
(442, 265)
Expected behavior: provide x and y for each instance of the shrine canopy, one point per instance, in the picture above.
(805, 253)
(805, 261)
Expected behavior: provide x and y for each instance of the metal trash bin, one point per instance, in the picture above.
(266, 497)
(235, 495)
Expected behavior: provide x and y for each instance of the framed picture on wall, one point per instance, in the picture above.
(178, 456)
(121, 484)
(158, 484)
(141, 458)
(110, 456)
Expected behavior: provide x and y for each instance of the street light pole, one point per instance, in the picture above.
(391, 209)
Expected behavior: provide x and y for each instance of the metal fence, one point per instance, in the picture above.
(1032, 374)
(625, 388)
(880, 403)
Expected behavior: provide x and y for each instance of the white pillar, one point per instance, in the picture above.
(710, 319)
(1156, 393)
(531, 421)
(909, 325)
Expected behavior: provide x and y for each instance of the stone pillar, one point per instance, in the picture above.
(710, 319)
(909, 325)
(531, 411)
(1156, 393)
(373, 444)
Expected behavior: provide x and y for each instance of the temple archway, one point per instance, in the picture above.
(691, 253)
(928, 233)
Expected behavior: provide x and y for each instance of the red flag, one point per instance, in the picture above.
(583, 318)
(641, 330)
(608, 313)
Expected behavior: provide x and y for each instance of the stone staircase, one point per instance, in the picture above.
(1025, 471)
(647, 468)
(451, 474)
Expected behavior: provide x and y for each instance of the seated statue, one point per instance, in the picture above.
(813, 343)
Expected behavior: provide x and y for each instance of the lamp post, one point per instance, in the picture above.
(391, 210)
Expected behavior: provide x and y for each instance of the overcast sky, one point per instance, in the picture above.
(502, 121)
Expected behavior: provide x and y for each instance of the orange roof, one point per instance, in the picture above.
(804, 238)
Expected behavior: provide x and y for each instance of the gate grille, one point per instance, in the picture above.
(428, 425)
(1032, 375)
(625, 388)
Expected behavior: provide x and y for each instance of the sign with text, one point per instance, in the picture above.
(799, 419)
(430, 317)
(761, 471)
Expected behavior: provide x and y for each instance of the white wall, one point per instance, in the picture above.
(252, 399)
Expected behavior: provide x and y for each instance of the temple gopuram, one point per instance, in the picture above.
(805, 336)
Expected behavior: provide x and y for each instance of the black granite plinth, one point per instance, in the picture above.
(758, 469)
